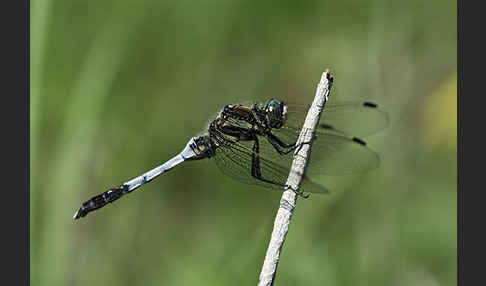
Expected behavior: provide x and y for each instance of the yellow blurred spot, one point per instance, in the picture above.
(438, 115)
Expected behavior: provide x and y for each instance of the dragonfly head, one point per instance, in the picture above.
(276, 112)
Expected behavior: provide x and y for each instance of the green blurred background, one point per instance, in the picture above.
(118, 87)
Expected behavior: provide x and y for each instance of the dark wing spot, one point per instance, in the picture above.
(370, 104)
(326, 126)
(359, 141)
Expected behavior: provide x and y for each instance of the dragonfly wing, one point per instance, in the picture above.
(332, 152)
(235, 161)
(351, 118)
(335, 154)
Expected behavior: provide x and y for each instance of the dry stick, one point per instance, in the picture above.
(289, 197)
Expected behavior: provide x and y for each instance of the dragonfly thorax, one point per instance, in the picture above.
(203, 147)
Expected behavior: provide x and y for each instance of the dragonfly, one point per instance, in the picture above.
(254, 143)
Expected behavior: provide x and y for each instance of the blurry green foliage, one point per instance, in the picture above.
(439, 115)
(117, 87)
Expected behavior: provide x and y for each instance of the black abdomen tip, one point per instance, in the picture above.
(80, 213)
(370, 104)
(326, 126)
(359, 141)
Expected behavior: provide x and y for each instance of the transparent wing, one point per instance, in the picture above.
(332, 153)
(235, 160)
(350, 118)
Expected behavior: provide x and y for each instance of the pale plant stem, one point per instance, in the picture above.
(289, 196)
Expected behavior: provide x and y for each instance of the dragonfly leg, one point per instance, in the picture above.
(279, 145)
(255, 165)
(299, 193)
(256, 171)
